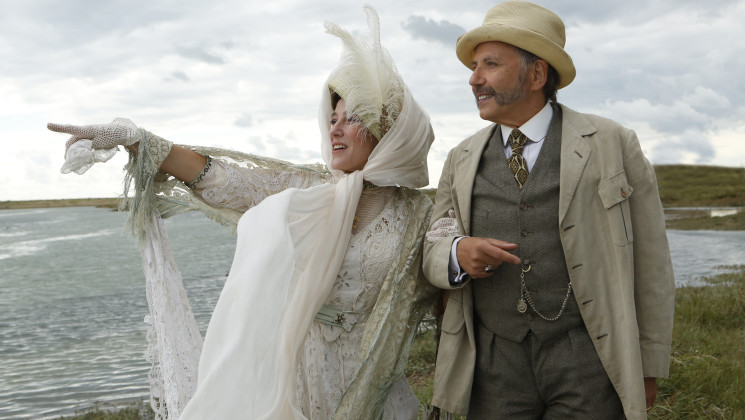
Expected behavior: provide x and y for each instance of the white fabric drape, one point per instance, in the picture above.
(289, 251)
(174, 340)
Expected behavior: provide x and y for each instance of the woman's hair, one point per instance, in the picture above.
(334, 100)
(364, 129)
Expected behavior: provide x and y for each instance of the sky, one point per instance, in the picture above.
(247, 75)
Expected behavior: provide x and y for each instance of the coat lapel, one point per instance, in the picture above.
(575, 153)
(468, 161)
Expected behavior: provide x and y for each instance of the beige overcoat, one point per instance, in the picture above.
(612, 229)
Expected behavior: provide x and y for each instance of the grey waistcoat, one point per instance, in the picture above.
(529, 218)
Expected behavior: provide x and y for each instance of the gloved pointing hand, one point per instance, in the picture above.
(121, 131)
(94, 143)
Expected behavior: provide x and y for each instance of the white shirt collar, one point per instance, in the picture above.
(536, 128)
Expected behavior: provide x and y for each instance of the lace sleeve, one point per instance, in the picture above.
(240, 181)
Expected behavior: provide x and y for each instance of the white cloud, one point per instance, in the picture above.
(247, 75)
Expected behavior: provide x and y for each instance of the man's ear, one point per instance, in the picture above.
(538, 74)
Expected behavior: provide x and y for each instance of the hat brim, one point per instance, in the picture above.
(533, 42)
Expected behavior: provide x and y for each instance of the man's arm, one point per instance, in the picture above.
(437, 254)
(654, 282)
(473, 254)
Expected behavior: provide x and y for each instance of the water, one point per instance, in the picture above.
(73, 300)
(700, 253)
(73, 303)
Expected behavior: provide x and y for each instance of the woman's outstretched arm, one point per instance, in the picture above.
(181, 163)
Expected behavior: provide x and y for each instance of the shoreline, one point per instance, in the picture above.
(64, 202)
(695, 221)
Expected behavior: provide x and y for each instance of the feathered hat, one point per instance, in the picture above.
(366, 77)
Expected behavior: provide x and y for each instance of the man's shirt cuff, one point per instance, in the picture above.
(456, 276)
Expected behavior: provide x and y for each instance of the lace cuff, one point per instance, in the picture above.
(143, 169)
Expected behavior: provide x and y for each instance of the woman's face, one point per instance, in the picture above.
(351, 143)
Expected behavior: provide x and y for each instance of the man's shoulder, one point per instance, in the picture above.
(584, 122)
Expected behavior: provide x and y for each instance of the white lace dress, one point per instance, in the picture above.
(331, 355)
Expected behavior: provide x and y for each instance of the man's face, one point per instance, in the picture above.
(498, 83)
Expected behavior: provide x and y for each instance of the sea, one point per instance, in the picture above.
(72, 300)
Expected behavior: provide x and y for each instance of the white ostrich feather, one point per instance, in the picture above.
(367, 78)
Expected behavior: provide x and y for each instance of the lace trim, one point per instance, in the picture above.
(142, 170)
(174, 341)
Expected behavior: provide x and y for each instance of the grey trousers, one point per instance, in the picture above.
(558, 379)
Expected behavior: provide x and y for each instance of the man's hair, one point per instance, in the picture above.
(552, 78)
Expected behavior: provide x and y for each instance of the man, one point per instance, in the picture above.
(561, 286)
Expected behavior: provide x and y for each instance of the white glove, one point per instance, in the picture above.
(94, 143)
(443, 228)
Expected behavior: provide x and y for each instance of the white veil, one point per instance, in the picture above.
(289, 251)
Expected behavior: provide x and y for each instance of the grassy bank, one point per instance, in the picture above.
(701, 186)
(72, 202)
(707, 370)
(705, 222)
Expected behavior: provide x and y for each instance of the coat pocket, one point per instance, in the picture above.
(614, 193)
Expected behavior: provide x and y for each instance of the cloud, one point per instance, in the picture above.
(179, 75)
(245, 120)
(247, 75)
(420, 27)
(200, 54)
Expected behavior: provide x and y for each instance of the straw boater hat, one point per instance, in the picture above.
(524, 25)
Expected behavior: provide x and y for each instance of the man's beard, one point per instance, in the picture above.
(507, 96)
(510, 96)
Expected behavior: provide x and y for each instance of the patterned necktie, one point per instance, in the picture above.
(517, 163)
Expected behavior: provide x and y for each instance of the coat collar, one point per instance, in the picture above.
(467, 166)
(575, 153)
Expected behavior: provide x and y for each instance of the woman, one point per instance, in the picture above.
(325, 292)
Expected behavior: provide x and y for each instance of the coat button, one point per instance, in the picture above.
(524, 233)
(623, 194)
(523, 207)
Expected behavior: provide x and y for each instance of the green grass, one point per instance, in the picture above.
(133, 411)
(420, 368)
(707, 371)
(72, 202)
(704, 222)
(701, 186)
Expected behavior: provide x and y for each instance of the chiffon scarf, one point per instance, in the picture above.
(289, 250)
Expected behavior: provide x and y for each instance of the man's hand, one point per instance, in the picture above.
(475, 254)
(650, 391)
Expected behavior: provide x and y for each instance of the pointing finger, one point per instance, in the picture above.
(76, 130)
